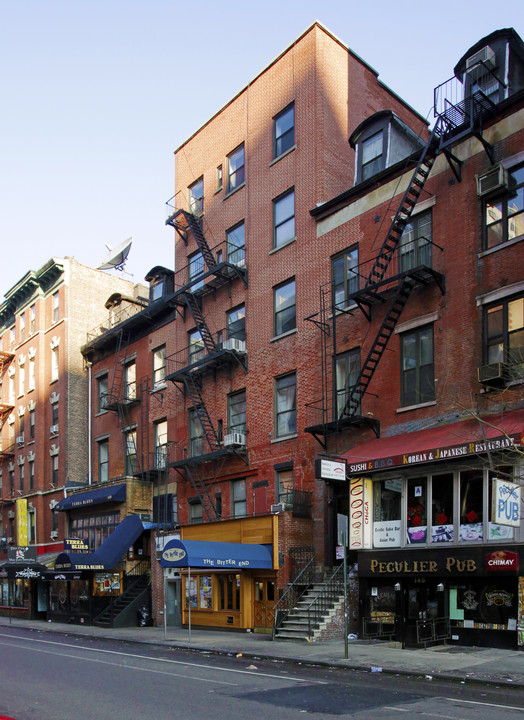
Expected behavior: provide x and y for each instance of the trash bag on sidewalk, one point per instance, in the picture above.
(143, 617)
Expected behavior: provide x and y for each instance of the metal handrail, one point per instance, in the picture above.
(329, 593)
(293, 594)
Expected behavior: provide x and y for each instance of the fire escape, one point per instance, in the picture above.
(388, 278)
(209, 353)
(5, 408)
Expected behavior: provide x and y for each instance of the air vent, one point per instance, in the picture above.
(492, 182)
(483, 59)
(235, 439)
(494, 375)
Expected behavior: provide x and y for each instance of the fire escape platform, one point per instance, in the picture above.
(324, 430)
(209, 457)
(212, 361)
(115, 404)
(221, 274)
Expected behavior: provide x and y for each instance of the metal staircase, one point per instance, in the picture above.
(208, 428)
(200, 487)
(195, 308)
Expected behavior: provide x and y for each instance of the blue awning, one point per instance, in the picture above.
(216, 555)
(110, 552)
(110, 493)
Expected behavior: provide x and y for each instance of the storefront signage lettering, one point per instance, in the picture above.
(75, 545)
(27, 573)
(502, 560)
(433, 454)
(506, 503)
(397, 567)
(174, 554)
(360, 494)
(330, 469)
(499, 597)
(21, 554)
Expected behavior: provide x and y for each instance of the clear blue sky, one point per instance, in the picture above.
(96, 96)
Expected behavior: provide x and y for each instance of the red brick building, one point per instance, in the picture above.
(44, 389)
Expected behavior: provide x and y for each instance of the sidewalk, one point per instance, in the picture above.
(459, 664)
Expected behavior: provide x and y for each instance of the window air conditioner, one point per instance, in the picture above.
(234, 344)
(54, 429)
(235, 439)
(493, 181)
(279, 507)
(54, 534)
(481, 61)
(240, 263)
(11, 514)
(10, 541)
(20, 439)
(494, 375)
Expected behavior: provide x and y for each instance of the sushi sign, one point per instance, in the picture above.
(505, 509)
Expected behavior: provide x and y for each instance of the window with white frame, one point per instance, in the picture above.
(196, 197)
(56, 307)
(236, 412)
(131, 465)
(418, 374)
(54, 363)
(286, 405)
(236, 244)
(344, 274)
(196, 347)
(347, 371)
(103, 460)
(238, 498)
(504, 335)
(196, 270)
(102, 392)
(284, 219)
(416, 242)
(504, 215)
(130, 380)
(284, 308)
(160, 441)
(159, 367)
(31, 381)
(236, 323)
(197, 440)
(235, 169)
(32, 319)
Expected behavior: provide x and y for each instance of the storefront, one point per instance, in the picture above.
(225, 584)
(19, 576)
(435, 527)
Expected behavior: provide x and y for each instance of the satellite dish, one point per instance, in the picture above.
(116, 257)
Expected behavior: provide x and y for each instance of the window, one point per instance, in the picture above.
(504, 333)
(54, 470)
(56, 307)
(505, 215)
(11, 389)
(236, 323)
(54, 364)
(103, 461)
(21, 425)
(31, 379)
(31, 474)
(32, 424)
(21, 379)
(284, 308)
(416, 242)
(196, 270)
(102, 392)
(442, 513)
(130, 452)
(219, 177)
(284, 219)
(235, 169)
(199, 592)
(285, 484)
(284, 131)
(418, 378)
(32, 319)
(21, 473)
(197, 440)
(236, 412)
(387, 496)
(159, 367)
(347, 370)
(286, 405)
(130, 381)
(12, 482)
(372, 155)
(238, 498)
(196, 197)
(156, 289)
(417, 520)
(195, 511)
(197, 349)
(22, 328)
(344, 271)
(93, 529)
(12, 335)
(236, 241)
(228, 592)
(471, 505)
(54, 414)
(160, 440)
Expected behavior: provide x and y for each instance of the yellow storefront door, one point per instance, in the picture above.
(265, 599)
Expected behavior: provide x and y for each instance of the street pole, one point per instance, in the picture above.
(346, 624)
(165, 605)
(189, 600)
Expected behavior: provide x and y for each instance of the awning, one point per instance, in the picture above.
(61, 575)
(110, 552)
(444, 442)
(109, 493)
(216, 555)
(28, 571)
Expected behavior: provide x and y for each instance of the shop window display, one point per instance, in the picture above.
(417, 529)
(471, 505)
(387, 496)
(442, 508)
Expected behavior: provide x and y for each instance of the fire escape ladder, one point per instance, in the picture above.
(194, 305)
(200, 487)
(380, 342)
(205, 420)
(408, 202)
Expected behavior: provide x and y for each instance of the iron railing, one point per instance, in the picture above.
(378, 626)
(140, 570)
(430, 630)
(294, 592)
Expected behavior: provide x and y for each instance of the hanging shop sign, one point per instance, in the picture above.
(21, 521)
(330, 469)
(506, 499)
(502, 560)
(360, 498)
(21, 554)
(75, 545)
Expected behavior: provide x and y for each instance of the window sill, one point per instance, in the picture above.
(431, 403)
(219, 189)
(283, 335)
(275, 160)
(501, 246)
(232, 192)
(160, 386)
(101, 412)
(280, 247)
(54, 380)
(284, 437)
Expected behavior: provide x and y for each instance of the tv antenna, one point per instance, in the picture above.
(116, 257)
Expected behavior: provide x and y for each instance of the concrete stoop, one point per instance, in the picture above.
(296, 628)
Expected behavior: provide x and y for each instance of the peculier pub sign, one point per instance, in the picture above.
(458, 563)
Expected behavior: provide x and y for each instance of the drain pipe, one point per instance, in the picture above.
(89, 429)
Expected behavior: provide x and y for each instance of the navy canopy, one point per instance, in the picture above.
(217, 555)
(110, 551)
(109, 493)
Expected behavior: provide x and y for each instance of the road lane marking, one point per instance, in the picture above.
(484, 704)
(167, 660)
